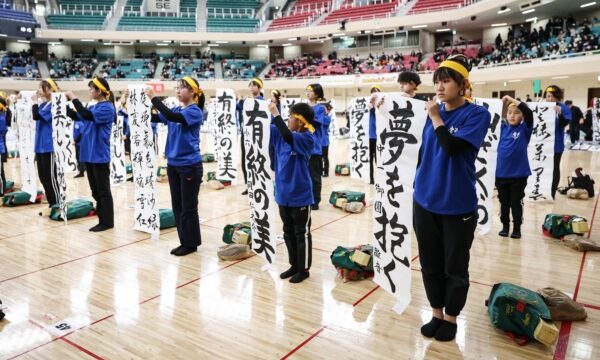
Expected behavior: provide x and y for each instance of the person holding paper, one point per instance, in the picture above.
(184, 161)
(372, 134)
(95, 146)
(4, 122)
(316, 99)
(445, 196)
(44, 147)
(293, 145)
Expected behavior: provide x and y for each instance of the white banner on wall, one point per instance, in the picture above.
(143, 160)
(400, 123)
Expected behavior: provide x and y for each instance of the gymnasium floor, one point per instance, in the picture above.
(127, 298)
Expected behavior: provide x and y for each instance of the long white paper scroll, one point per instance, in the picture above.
(118, 174)
(143, 159)
(26, 128)
(359, 138)
(227, 140)
(286, 104)
(64, 149)
(400, 123)
(486, 165)
(256, 127)
(596, 119)
(541, 152)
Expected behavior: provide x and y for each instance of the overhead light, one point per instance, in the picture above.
(500, 24)
(107, 43)
(339, 34)
(87, 40)
(528, 11)
(288, 44)
(23, 41)
(3, 35)
(502, 11)
(222, 42)
(560, 77)
(419, 26)
(442, 30)
(167, 41)
(453, 32)
(263, 46)
(213, 45)
(144, 41)
(588, 4)
(293, 39)
(533, 19)
(375, 42)
(163, 44)
(514, 81)
(367, 31)
(53, 43)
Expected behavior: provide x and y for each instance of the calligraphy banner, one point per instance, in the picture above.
(26, 127)
(227, 141)
(485, 165)
(541, 152)
(64, 152)
(359, 138)
(257, 133)
(286, 104)
(118, 174)
(143, 161)
(333, 123)
(400, 123)
(211, 125)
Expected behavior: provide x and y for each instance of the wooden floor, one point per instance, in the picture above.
(127, 298)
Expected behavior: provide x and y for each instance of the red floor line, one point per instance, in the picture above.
(82, 349)
(562, 345)
(366, 295)
(590, 306)
(304, 343)
(332, 221)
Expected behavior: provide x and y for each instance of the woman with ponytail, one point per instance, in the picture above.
(95, 146)
(184, 161)
(445, 197)
(44, 147)
(563, 117)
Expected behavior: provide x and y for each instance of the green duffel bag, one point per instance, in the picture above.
(211, 175)
(9, 186)
(228, 231)
(559, 225)
(351, 196)
(17, 198)
(167, 218)
(347, 268)
(75, 209)
(162, 171)
(522, 313)
(343, 169)
(208, 157)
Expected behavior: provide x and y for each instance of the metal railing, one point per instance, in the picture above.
(156, 28)
(229, 12)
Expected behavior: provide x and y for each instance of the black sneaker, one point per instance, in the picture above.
(101, 227)
(288, 273)
(175, 249)
(314, 207)
(299, 277)
(245, 192)
(504, 231)
(516, 234)
(78, 175)
(184, 250)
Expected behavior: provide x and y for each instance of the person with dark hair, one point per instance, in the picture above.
(95, 146)
(294, 145)
(184, 161)
(563, 117)
(409, 82)
(513, 169)
(4, 123)
(577, 120)
(588, 125)
(372, 134)
(44, 147)
(445, 197)
(325, 139)
(256, 87)
(316, 99)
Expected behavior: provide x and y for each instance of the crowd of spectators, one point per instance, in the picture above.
(79, 67)
(19, 65)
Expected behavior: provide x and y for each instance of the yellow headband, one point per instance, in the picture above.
(53, 85)
(511, 105)
(456, 67)
(258, 82)
(550, 89)
(192, 83)
(309, 88)
(100, 86)
(376, 87)
(304, 122)
(275, 92)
